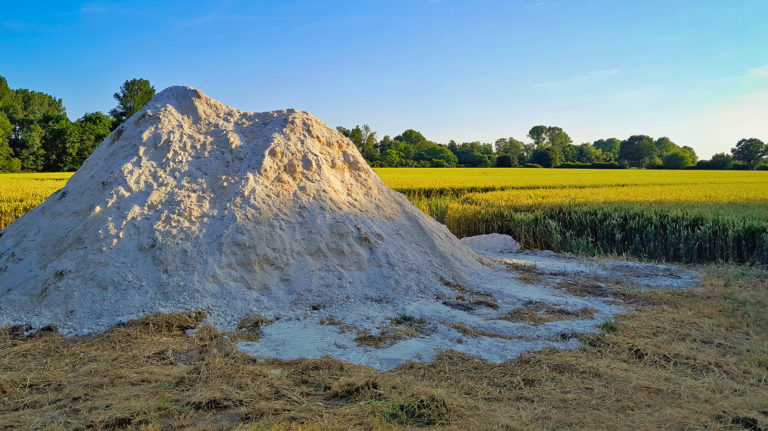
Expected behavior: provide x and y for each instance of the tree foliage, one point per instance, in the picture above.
(750, 151)
(549, 136)
(36, 134)
(538, 135)
(639, 151)
(505, 161)
(609, 147)
(551, 147)
(133, 95)
(363, 138)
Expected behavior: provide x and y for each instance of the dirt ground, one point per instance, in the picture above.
(693, 359)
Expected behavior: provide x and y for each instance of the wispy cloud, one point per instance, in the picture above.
(588, 76)
(758, 72)
(218, 17)
(100, 7)
(534, 5)
(596, 74)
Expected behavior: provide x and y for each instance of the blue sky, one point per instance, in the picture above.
(696, 71)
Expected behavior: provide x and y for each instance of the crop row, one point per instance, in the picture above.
(455, 182)
(679, 222)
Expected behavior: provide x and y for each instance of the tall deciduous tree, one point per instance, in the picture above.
(6, 154)
(505, 161)
(749, 151)
(666, 146)
(29, 147)
(721, 161)
(556, 137)
(609, 147)
(549, 136)
(639, 151)
(589, 154)
(689, 154)
(674, 161)
(548, 157)
(54, 142)
(84, 136)
(510, 146)
(133, 95)
(538, 134)
(411, 137)
(364, 139)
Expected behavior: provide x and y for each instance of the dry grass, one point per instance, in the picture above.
(680, 360)
(539, 312)
(528, 274)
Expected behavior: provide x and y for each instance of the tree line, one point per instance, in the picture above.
(37, 135)
(549, 147)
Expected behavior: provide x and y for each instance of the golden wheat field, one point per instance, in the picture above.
(678, 216)
(431, 181)
(20, 193)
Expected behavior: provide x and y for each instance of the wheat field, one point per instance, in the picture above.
(677, 216)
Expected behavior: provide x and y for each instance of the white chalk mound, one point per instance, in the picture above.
(191, 204)
(492, 243)
(194, 205)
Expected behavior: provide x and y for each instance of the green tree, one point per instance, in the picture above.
(690, 155)
(538, 135)
(384, 144)
(31, 115)
(407, 151)
(666, 146)
(506, 161)
(547, 157)
(510, 146)
(84, 136)
(133, 95)
(556, 137)
(570, 152)
(54, 141)
(7, 96)
(749, 151)
(364, 139)
(674, 161)
(411, 137)
(391, 158)
(721, 161)
(32, 104)
(639, 151)
(609, 147)
(589, 154)
(439, 156)
(549, 136)
(453, 146)
(6, 154)
(29, 148)
(475, 154)
(677, 157)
